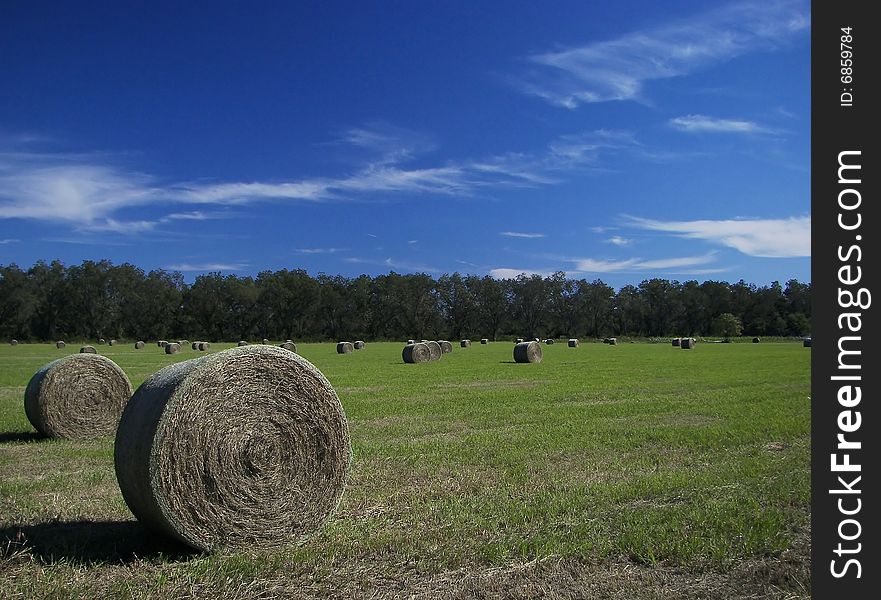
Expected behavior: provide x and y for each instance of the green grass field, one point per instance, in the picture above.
(630, 471)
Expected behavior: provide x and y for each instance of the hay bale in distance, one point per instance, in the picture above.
(195, 345)
(573, 342)
(465, 343)
(60, 344)
(446, 347)
(677, 341)
(242, 343)
(13, 342)
(806, 342)
(139, 344)
(411, 342)
(79, 396)
(288, 345)
(345, 347)
(518, 341)
(358, 345)
(101, 341)
(527, 352)
(162, 343)
(613, 341)
(549, 341)
(756, 340)
(172, 348)
(183, 343)
(686, 343)
(484, 341)
(265, 341)
(241, 448)
(435, 350)
(88, 350)
(204, 346)
(111, 342)
(416, 353)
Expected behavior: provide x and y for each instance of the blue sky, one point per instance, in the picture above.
(619, 141)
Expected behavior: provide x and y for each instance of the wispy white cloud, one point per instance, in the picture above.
(618, 69)
(8, 241)
(617, 240)
(195, 267)
(412, 241)
(768, 238)
(635, 264)
(520, 234)
(507, 273)
(394, 264)
(319, 250)
(389, 143)
(705, 124)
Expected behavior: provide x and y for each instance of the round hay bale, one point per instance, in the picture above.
(677, 341)
(204, 346)
(411, 342)
(195, 345)
(573, 342)
(536, 340)
(60, 344)
(425, 341)
(77, 397)
(756, 340)
(806, 342)
(172, 348)
(527, 352)
(13, 342)
(613, 341)
(245, 447)
(686, 343)
(139, 344)
(345, 347)
(183, 343)
(465, 343)
(162, 343)
(288, 346)
(549, 341)
(358, 345)
(265, 341)
(88, 350)
(101, 341)
(435, 350)
(416, 353)
(484, 341)
(242, 343)
(518, 341)
(446, 347)
(111, 342)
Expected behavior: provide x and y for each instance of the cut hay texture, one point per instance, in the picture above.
(172, 348)
(416, 353)
(549, 341)
(79, 396)
(435, 350)
(358, 345)
(446, 347)
(806, 342)
(677, 341)
(139, 344)
(527, 352)
(756, 340)
(687, 343)
(88, 350)
(242, 448)
(573, 342)
(60, 344)
(162, 343)
(484, 341)
(465, 343)
(204, 346)
(345, 347)
(288, 346)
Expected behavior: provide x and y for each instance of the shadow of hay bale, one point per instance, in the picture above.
(8, 437)
(87, 542)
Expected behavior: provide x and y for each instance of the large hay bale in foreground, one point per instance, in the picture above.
(60, 344)
(687, 343)
(358, 345)
(435, 350)
(677, 342)
(88, 350)
(806, 342)
(172, 348)
(139, 344)
(416, 353)
(484, 341)
(288, 346)
(79, 396)
(245, 447)
(345, 347)
(446, 347)
(573, 342)
(527, 352)
(465, 343)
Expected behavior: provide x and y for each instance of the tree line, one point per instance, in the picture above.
(51, 301)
